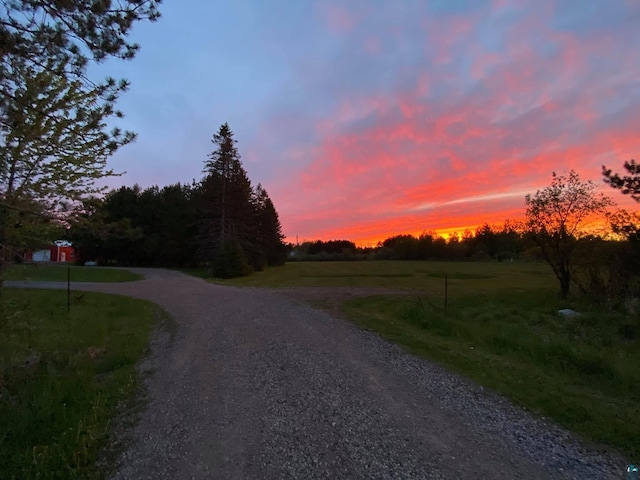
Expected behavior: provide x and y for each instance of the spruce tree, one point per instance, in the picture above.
(269, 231)
(227, 210)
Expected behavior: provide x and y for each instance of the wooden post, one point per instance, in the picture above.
(68, 289)
(446, 293)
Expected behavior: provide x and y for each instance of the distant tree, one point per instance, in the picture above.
(269, 247)
(403, 247)
(124, 234)
(510, 240)
(178, 225)
(623, 222)
(331, 247)
(495, 242)
(457, 249)
(479, 244)
(426, 245)
(556, 216)
(88, 229)
(626, 223)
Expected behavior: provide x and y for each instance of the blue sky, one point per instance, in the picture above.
(365, 119)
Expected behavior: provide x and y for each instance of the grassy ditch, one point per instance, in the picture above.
(581, 372)
(58, 273)
(62, 375)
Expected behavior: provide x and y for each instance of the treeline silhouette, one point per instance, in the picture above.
(222, 222)
(488, 242)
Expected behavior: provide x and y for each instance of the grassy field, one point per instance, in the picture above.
(501, 329)
(58, 273)
(463, 277)
(62, 375)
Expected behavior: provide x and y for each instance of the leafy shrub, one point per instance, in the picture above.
(230, 261)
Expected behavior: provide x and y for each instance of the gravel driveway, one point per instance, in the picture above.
(258, 386)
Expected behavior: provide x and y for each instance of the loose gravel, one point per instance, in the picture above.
(256, 385)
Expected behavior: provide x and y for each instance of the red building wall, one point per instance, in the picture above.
(62, 254)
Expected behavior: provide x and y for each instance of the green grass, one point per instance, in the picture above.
(581, 372)
(62, 375)
(463, 277)
(58, 273)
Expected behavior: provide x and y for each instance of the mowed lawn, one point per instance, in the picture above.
(501, 328)
(62, 375)
(58, 273)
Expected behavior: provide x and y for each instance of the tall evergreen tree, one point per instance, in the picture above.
(268, 229)
(227, 209)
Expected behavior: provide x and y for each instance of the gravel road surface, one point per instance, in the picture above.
(258, 386)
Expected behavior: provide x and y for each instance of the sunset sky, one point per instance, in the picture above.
(364, 119)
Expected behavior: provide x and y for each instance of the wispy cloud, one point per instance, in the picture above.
(477, 198)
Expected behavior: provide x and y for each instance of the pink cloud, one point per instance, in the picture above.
(339, 18)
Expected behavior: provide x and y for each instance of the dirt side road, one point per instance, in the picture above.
(257, 386)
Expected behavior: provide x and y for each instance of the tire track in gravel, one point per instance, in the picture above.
(257, 385)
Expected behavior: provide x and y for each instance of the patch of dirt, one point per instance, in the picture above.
(331, 299)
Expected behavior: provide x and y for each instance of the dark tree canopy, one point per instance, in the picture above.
(131, 226)
(268, 247)
(628, 184)
(238, 222)
(73, 30)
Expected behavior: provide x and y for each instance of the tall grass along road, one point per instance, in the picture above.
(258, 386)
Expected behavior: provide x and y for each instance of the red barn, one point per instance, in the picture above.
(60, 251)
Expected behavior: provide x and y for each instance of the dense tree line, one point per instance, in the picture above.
(131, 226)
(486, 243)
(221, 222)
